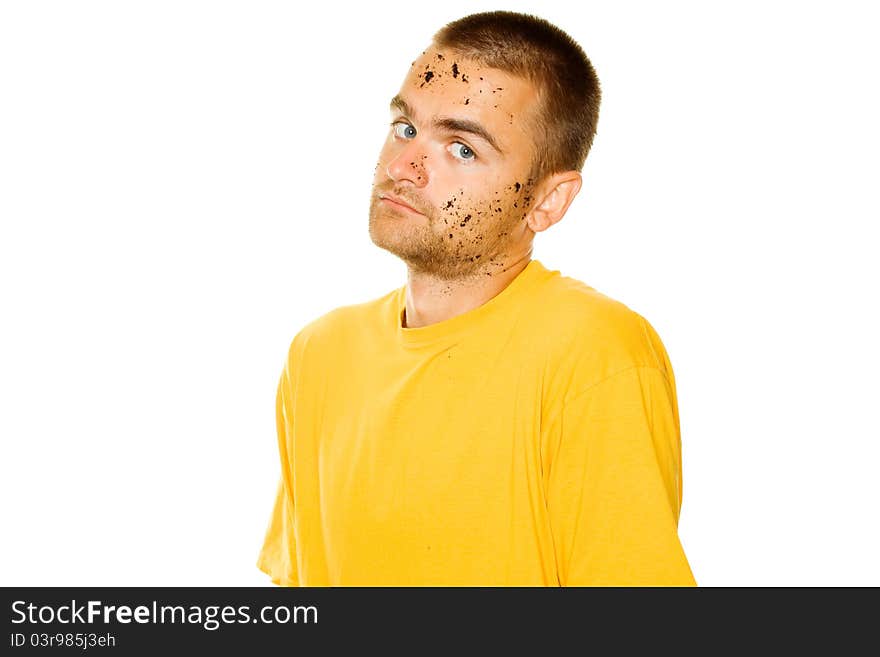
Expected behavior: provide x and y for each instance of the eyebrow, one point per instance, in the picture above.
(450, 124)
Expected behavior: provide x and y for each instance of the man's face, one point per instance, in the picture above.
(471, 196)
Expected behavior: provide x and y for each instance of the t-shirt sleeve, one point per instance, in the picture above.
(278, 555)
(614, 487)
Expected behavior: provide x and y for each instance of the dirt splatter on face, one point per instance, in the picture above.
(470, 198)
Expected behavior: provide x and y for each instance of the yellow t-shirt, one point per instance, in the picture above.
(532, 441)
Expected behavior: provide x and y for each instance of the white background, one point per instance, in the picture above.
(183, 185)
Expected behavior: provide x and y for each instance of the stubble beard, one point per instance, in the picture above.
(412, 239)
(427, 252)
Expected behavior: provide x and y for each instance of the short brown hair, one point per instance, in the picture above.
(532, 48)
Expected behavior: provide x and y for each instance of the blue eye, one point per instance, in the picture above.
(408, 131)
(466, 153)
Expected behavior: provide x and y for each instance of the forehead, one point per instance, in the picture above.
(441, 83)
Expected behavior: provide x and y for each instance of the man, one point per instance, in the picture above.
(491, 422)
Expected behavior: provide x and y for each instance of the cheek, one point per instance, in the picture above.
(468, 219)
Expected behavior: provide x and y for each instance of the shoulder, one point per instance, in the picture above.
(330, 329)
(590, 336)
(587, 315)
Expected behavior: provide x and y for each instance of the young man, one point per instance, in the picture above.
(491, 422)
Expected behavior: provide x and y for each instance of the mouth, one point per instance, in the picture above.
(397, 204)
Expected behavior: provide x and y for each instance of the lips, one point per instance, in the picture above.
(397, 201)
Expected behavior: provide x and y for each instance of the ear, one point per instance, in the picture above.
(553, 198)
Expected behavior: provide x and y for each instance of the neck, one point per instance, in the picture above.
(430, 299)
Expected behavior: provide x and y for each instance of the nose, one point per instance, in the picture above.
(409, 164)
